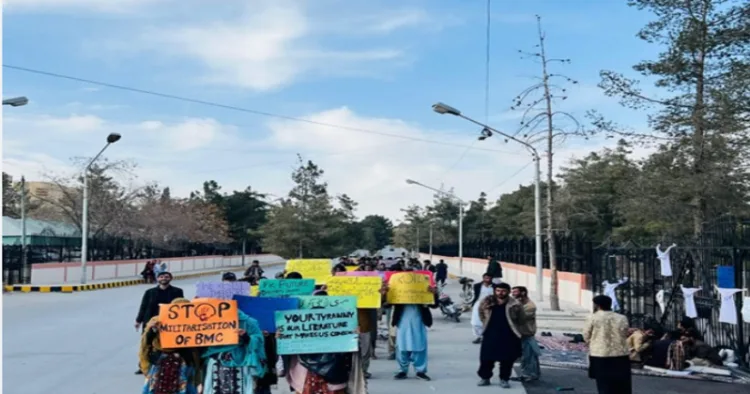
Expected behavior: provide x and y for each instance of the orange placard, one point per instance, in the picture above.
(203, 322)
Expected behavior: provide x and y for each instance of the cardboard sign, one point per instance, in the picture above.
(388, 275)
(307, 331)
(254, 290)
(221, 290)
(365, 288)
(358, 273)
(317, 302)
(286, 287)
(262, 309)
(318, 269)
(409, 288)
(205, 322)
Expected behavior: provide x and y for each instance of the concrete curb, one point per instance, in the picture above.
(113, 285)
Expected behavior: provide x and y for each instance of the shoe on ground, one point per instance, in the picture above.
(368, 375)
(423, 376)
(138, 372)
(477, 341)
(400, 376)
(505, 384)
(483, 383)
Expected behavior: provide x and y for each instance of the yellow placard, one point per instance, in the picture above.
(254, 290)
(352, 268)
(409, 288)
(318, 269)
(365, 288)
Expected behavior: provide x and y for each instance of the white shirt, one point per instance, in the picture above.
(687, 294)
(660, 300)
(746, 309)
(666, 265)
(728, 310)
(609, 291)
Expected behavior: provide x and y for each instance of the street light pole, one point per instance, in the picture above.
(461, 204)
(111, 139)
(487, 132)
(430, 241)
(24, 254)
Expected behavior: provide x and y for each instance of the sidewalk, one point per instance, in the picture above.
(111, 284)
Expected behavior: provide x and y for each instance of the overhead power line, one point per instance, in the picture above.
(508, 179)
(240, 109)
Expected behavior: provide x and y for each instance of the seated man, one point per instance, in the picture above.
(699, 353)
(660, 350)
(639, 344)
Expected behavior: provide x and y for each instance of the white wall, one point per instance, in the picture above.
(70, 273)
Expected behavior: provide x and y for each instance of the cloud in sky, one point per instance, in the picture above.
(274, 43)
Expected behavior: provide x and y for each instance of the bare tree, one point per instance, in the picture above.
(542, 123)
(110, 202)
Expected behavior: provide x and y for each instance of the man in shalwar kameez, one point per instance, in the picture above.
(411, 322)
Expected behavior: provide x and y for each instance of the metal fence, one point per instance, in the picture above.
(98, 250)
(725, 242)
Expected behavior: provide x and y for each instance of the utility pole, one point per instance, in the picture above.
(244, 243)
(417, 240)
(430, 241)
(24, 254)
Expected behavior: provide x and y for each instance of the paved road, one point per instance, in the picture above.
(85, 343)
(578, 379)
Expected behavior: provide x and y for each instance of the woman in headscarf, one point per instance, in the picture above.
(326, 373)
(168, 371)
(232, 369)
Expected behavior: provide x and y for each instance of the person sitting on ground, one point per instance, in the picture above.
(699, 353)
(660, 350)
(639, 344)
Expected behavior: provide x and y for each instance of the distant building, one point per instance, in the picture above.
(46, 191)
(393, 252)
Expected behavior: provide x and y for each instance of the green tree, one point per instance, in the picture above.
(11, 198)
(377, 232)
(703, 71)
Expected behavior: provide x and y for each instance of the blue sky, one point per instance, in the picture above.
(359, 64)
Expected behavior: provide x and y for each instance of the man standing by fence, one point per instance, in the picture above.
(164, 293)
(494, 269)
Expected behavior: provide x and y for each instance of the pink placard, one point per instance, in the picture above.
(388, 275)
(358, 273)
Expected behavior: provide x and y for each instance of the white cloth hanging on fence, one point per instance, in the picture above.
(728, 310)
(666, 264)
(688, 294)
(746, 309)
(660, 301)
(609, 291)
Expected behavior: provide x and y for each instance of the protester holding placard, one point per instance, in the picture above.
(168, 371)
(232, 369)
(324, 373)
(411, 322)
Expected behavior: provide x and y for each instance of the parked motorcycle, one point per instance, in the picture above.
(449, 310)
(467, 289)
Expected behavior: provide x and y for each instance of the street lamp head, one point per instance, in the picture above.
(410, 182)
(444, 109)
(16, 101)
(112, 138)
(486, 133)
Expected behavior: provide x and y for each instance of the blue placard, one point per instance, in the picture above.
(262, 309)
(306, 331)
(286, 287)
(725, 277)
(221, 290)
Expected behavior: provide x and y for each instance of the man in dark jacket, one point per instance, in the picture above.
(494, 269)
(441, 272)
(164, 293)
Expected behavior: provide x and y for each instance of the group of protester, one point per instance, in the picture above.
(251, 365)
